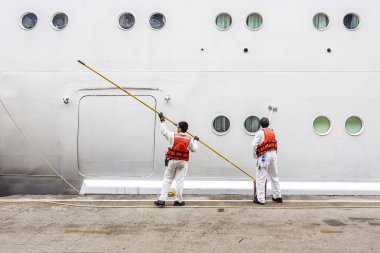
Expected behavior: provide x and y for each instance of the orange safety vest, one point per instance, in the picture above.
(269, 143)
(179, 150)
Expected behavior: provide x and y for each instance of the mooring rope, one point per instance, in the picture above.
(31, 144)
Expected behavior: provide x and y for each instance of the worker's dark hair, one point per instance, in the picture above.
(264, 122)
(184, 126)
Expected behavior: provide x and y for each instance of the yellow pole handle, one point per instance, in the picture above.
(130, 94)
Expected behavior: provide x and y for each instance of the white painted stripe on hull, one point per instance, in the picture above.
(97, 186)
(27, 200)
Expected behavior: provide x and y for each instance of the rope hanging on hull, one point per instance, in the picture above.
(51, 167)
(130, 94)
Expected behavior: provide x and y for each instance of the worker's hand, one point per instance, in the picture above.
(161, 115)
(196, 138)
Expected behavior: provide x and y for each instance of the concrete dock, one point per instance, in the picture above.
(229, 223)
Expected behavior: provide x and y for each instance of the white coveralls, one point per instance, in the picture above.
(176, 168)
(263, 169)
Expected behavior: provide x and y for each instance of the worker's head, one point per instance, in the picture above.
(182, 127)
(264, 122)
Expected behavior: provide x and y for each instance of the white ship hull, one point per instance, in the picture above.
(102, 134)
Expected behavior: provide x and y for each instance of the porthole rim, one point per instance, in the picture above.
(118, 21)
(361, 130)
(262, 23)
(21, 17)
(214, 130)
(360, 21)
(52, 17)
(327, 27)
(246, 131)
(328, 131)
(154, 29)
(218, 26)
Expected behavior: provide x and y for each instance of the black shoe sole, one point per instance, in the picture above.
(159, 205)
(277, 201)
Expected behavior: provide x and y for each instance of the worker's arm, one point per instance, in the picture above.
(165, 132)
(256, 141)
(193, 146)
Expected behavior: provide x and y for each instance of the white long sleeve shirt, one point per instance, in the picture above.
(193, 146)
(259, 138)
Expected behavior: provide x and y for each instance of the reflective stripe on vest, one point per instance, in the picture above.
(269, 143)
(179, 150)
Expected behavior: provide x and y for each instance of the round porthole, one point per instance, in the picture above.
(354, 125)
(223, 21)
(254, 21)
(221, 125)
(351, 21)
(321, 21)
(322, 125)
(157, 21)
(251, 125)
(126, 21)
(29, 20)
(59, 21)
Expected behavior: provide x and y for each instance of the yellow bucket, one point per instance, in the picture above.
(171, 193)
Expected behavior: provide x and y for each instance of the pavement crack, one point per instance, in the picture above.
(1, 221)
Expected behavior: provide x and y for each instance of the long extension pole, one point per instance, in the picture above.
(130, 94)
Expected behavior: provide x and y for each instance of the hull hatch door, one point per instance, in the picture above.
(115, 136)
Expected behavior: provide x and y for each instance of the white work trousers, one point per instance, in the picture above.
(177, 170)
(262, 173)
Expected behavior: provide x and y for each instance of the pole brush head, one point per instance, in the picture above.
(273, 107)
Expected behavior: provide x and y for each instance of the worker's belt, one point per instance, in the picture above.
(269, 146)
(177, 155)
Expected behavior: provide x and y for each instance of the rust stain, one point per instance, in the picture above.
(83, 231)
(331, 231)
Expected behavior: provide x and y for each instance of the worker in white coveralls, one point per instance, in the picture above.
(177, 157)
(265, 150)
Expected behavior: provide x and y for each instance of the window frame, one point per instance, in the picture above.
(215, 24)
(52, 17)
(245, 130)
(214, 130)
(262, 21)
(118, 21)
(361, 130)
(327, 27)
(23, 15)
(360, 21)
(150, 16)
(328, 131)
